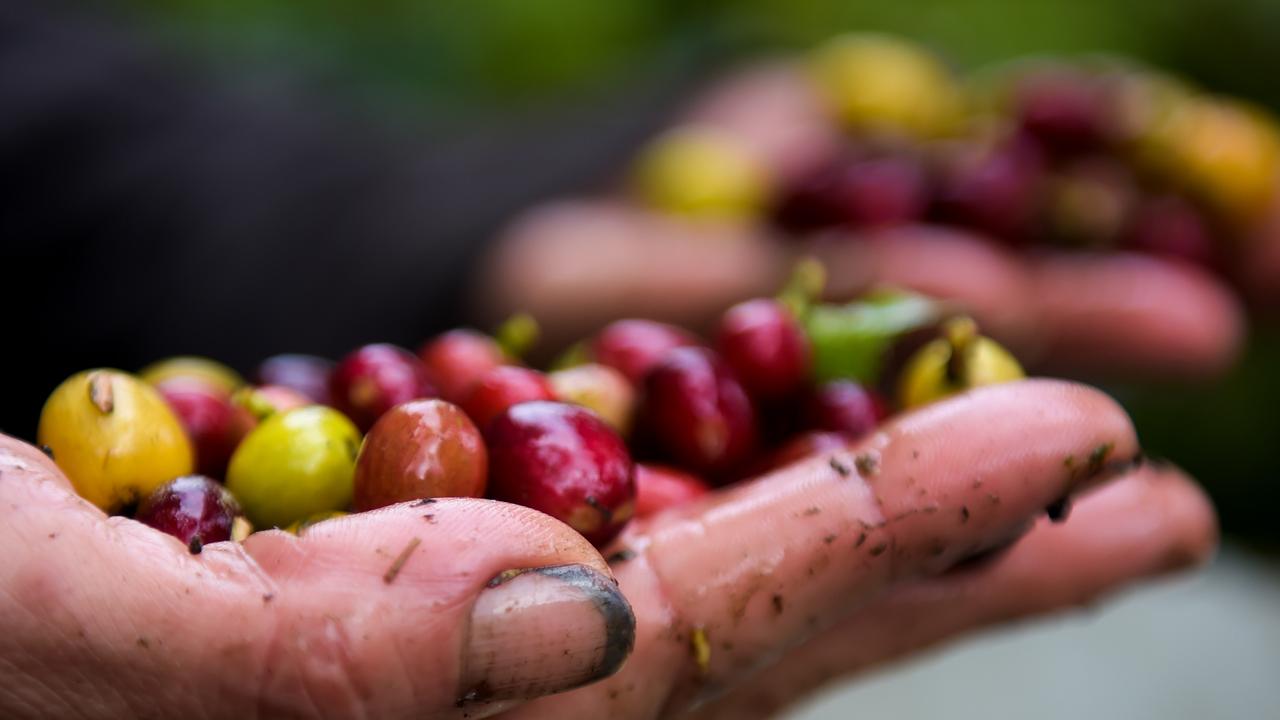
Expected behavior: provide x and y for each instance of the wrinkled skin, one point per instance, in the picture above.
(1096, 313)
(367, 615)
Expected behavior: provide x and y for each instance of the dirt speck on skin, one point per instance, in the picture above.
(401, 559)
(423, 501)
(811, 511)
(480, 693)
(977, 484)
(862, 537)
(868, 464)
(964, 514)
(47, 451)
(879, 549)
(777, 604)
(144, 643)
(268, 597)
(430, 517)
(829, 539)
(53, 535)
(1059, 509)
(915, 454)
(838, 465)
(993, 498)
(1098, 458)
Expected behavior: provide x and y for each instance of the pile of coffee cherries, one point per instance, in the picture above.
(1092, 153)
(640, 417)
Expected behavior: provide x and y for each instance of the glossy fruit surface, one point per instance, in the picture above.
(295, 464)
(565, 461)
(457, 359)
(766, 348)
(634, 346)
(215, 374)
(599, 388)
(698, 412)
(210, 420)
(845, 407)
(421, 449)
(193, 508)
(114, 437)
(502, 387)
(659, 487)
(306, 374)
(701, 172)
(375, 378)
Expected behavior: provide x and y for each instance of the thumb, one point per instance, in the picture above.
(407, 611)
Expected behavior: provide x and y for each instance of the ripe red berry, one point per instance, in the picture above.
(212, 423)
(1172, 227)
(307, 374)
(635, 346)
(194, 509)
(659, 487)
(1068, 111)
(421, 449)
(864, 192)
(845, 407)
(564, 461)
(457, 359)
(502, 387)
(993, 190)
(763, 343)
(376, 378)
(698, 413)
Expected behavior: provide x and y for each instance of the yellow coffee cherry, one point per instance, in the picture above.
(1227, 153)
(883, 84)
(295, 464)
(600, 389)
(114, 437)
(701, 172)
(209, 372)
(959, 360)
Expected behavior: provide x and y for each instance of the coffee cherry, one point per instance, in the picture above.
(635, 346)
(992, 190)
(698, 412)
(193, 508)
(845, 407)
(306, 374)
(659, 487)
(114, 437)
(858, 193)
(210, 419)
(217, 376)
(502, 387)
(763, 344)
(457, 360)
(1172, 227)
(599, 388)
(564, 461)
(376, 378)
(883, 85)
(960, 360)
(1090, 203)
(1067, 110)
(259, 403)
(421, 449)
(701, 172)
(295, 464)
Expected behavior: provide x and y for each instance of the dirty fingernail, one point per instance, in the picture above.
(537, 631)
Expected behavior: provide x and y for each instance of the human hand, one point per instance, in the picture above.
(814, 571)
(578, 264)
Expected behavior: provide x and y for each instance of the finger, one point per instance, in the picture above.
(723, 585)
(772, 109)
(1151, 522)
(406, 611)
(1125, 313)
(578, 265)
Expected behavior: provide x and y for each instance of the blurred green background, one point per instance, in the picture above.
(456, 62)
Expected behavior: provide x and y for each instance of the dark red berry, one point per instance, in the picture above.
(564, 461)
(1068, 111)
(1172, 227)
(376, 378)
(502, 387)
(764, 345)
(633, 347)
(698, 413)
(845, 407)
(659, 487)
(860, 193)
(307, 374)
(194, 509)
(992, 190)
(458, 359)
(211, 421)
